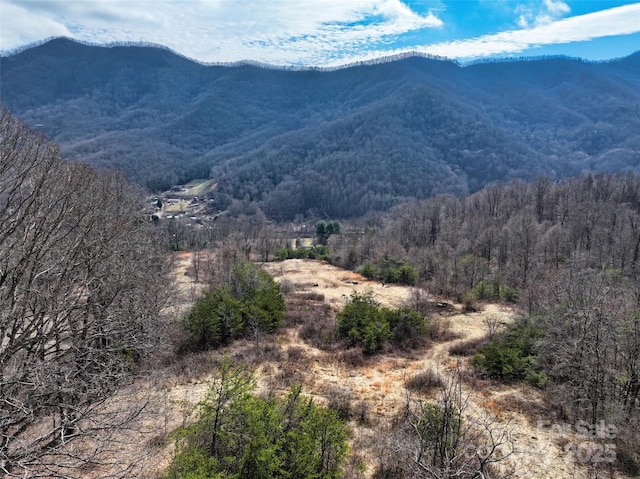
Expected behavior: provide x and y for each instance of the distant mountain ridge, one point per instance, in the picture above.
(142, 44)
(330, 143)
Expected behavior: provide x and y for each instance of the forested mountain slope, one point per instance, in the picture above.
(335, 143)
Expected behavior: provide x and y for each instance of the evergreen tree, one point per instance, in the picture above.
(238, 435)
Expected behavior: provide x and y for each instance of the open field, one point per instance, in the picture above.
(375, 387)
(196, 188)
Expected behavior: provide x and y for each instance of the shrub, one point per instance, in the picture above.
(317, 320)
(287, 286)
(361, 412)
(440, 425)
(469, 347)
(310, 296)
(251, 298)
(406, 325)
(360, 316)
(407, 274)
(494, 291)
(511, 355)
(295, 353)
(424, 382)
(239, 435)
(290, 253)
(288, 375)
(419, 301)
(369, 271)
(339, 399)
(351, 357)
(509, 295)
(375, 333)
(391, 271)
(319, 334)
(481, 291)
(364, 324)
(214, 319)
(502, 361)
(321, 252)
(439, 329)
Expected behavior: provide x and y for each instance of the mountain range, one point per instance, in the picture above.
(327, 143)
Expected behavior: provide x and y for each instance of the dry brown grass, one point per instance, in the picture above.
(527, 401)
(425, 382)
(469, 347)
(368, 391)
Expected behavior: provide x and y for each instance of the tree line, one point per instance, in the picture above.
(567, 253)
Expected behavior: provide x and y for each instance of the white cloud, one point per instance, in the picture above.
(615, 21)
(557, 8)
(403, 18)
(222, 30)
(25, 26)
(540, 13)
(306, 32)
(284, 32)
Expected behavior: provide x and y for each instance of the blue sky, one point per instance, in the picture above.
(334, 32)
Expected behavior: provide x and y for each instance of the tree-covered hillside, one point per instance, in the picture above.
(334, 143)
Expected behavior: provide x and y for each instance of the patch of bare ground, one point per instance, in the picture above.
(367, 391)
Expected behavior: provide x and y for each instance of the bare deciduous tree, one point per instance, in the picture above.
(81, 285)
(267, 242)
(448, 438)
(492, 323)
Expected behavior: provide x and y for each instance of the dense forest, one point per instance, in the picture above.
(327, 143)
(567, 253)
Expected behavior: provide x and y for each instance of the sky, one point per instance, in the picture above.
(329, 33)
